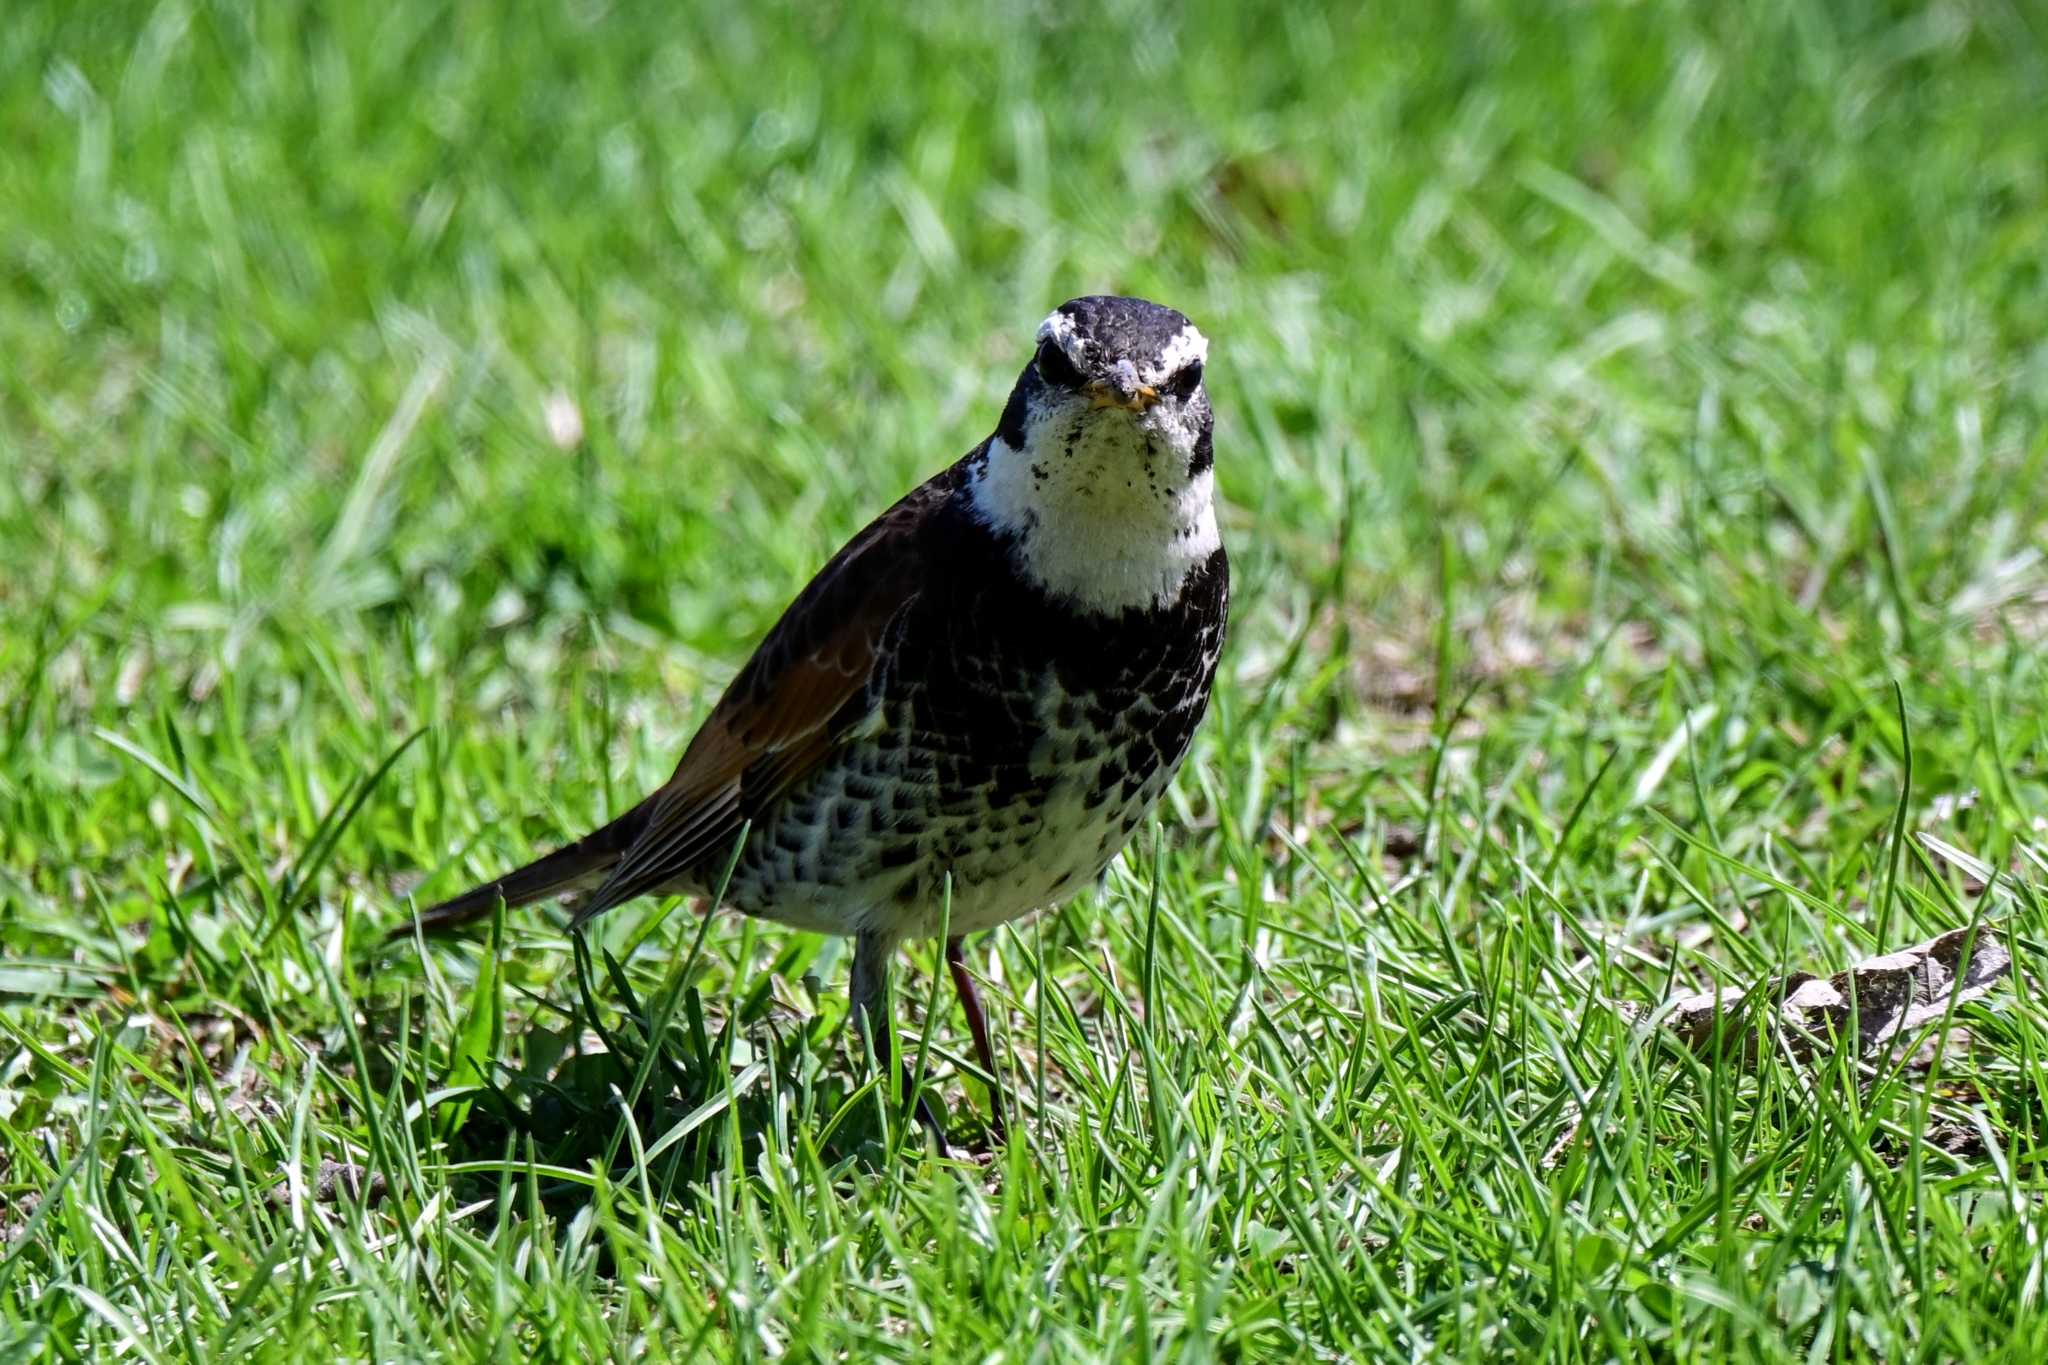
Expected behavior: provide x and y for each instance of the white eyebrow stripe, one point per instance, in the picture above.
(1187, 346)
(1058, 327)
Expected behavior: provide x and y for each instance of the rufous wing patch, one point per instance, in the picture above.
(788, 710)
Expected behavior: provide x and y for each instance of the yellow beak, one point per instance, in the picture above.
(1101, 395)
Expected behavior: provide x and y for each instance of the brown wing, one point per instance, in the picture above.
(792, 705)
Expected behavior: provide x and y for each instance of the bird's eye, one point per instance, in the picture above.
(1055, 368)
(1185, 380)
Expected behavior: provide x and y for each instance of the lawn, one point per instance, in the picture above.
(1633, 428)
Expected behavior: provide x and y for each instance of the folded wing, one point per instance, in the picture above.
(805, 692)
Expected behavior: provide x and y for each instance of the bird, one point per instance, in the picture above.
(969, 711)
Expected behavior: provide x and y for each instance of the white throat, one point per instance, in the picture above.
(1103, 509)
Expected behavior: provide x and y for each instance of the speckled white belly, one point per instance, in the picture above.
(870, 842)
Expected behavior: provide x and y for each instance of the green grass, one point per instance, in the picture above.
(1634, 426)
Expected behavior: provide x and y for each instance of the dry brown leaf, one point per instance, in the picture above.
(332, 1182)
(1885, 996)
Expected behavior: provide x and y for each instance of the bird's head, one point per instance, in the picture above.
(1115, 372)
(1101, 465)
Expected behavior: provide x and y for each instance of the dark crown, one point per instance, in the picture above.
(1113, 326)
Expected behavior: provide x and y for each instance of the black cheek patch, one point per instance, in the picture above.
(1205, 449)
(1010, 431)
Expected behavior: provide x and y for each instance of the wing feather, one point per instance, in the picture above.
(798, 700)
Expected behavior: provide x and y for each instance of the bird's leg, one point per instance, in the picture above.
(869, 990)
(977, 1023)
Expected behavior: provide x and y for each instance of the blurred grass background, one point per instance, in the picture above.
(1615, 402)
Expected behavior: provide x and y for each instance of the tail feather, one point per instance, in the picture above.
(571, 867)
